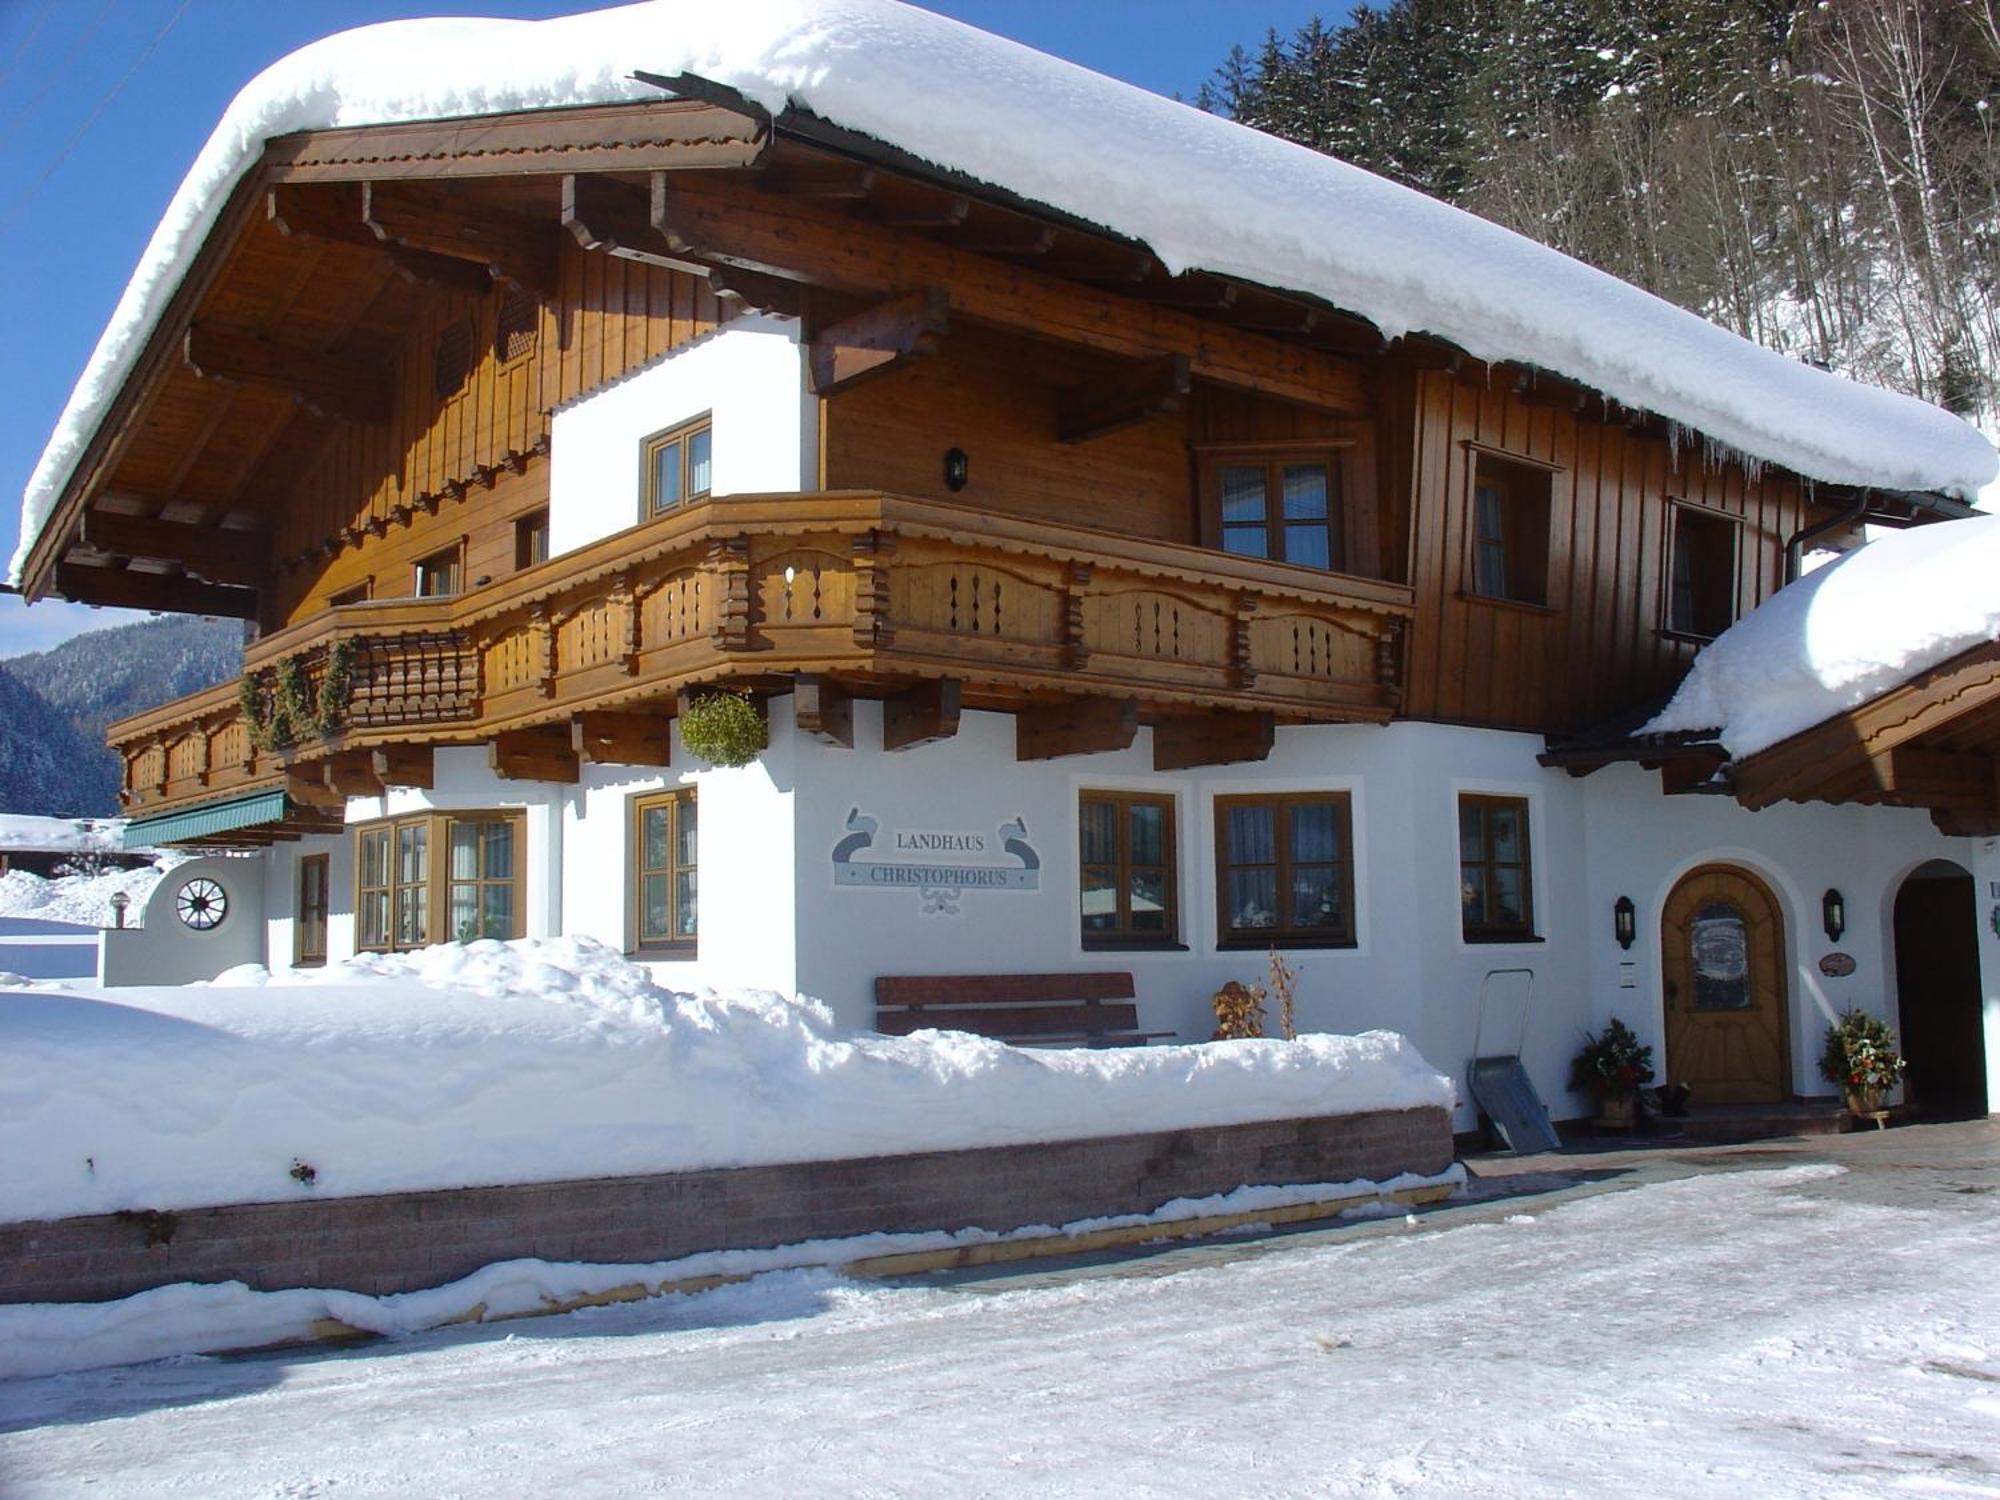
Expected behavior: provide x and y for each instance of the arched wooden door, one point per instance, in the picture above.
(1722, 946)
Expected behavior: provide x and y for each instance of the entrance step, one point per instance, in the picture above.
(1729, 1124)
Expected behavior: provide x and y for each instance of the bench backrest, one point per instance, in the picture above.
(1007, 1007)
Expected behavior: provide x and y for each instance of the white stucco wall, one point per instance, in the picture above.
(164, 950)
(747, 374)
(1986, 903)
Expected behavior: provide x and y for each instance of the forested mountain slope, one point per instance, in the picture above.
(1821, 177)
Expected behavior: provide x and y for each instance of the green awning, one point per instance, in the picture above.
(209, 818)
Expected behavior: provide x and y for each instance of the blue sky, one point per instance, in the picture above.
(104, 103)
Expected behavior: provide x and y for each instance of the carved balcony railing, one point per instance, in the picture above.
(756, 588)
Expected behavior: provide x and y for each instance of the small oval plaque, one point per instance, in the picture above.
(1837, 965)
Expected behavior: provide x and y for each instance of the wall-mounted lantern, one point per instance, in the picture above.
(957, 469)
(1833, 912)
(1624, 921)
(119, 901)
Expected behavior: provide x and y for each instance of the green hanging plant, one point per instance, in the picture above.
(724, 729)
(280, 710)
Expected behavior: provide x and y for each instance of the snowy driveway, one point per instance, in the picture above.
(1821, 1320)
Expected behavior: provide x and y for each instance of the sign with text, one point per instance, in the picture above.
(939, 864)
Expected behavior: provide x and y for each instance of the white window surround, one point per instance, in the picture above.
(1206, 941)
(1538, 874)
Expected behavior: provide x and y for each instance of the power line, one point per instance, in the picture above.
(62, 66)
(21, 49)
(22, 199)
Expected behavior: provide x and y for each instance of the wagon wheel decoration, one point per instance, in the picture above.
(201, 904)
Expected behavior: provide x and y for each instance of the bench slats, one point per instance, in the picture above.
(1011, 989)
(1004, 1021)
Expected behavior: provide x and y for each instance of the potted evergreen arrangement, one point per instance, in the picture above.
(1861, 1059)
(1612, 1067)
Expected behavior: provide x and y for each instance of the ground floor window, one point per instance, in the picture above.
(664, 848)
(1496, 877)
(311, 925)
(1126, 869)
(1285, 870)
(398, 905)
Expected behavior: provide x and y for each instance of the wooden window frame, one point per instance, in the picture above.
(1283, 936)
(525, 526)
(302, 956)
(680, 432)
(677, 798)
(437, 823)
(1526, 484)
(1352, 545)
(456, 553)
(1123, 937)
(1486, 931)
(1677, 512)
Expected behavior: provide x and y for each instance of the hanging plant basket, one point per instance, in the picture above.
(724, 729)
(280, 709)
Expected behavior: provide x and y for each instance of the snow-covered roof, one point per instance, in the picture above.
(1200, 191)
(1844, 634)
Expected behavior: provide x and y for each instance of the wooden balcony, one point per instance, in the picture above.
(873, 591)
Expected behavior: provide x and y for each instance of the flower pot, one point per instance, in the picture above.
(1618, 1111)
(1866, 1104)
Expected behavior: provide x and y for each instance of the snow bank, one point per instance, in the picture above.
(83, 899)
(48, 1338)
(544, 1060)
(84, 835)
(1843, 634)
(1202, 192)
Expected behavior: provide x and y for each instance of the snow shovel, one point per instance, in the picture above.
(1499, 1083)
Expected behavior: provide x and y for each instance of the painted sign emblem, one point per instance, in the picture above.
(1837, 965)
(940, 865)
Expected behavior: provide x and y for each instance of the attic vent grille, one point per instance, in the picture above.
(514, 329)
(453, 360)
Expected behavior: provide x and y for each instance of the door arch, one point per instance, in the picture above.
(1939, 999)
(1722, 951)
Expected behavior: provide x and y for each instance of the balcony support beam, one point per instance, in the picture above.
(1075, 726)
(877, 340)
(822, 707)
(351, 773)
(539, 754)
(404, 765)
(623, 739)
(1216, 739)
(929, 711)
(307, 787)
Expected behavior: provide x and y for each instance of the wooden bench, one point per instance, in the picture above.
(1094, 1009)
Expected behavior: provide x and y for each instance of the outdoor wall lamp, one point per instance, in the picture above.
(119, 901)
(957, 469)
(1624, 921)
(1833, 911)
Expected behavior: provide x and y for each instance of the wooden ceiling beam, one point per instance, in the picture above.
(713, 220)
(404, 765)
(612, 217)
(922, 714)
(332, 213)
(828, 178)
(623, 739)
(539, 754)
(756, 291)
(351, 773)
(947, 213)
(1913, 776)
(1024, 237)
(1075, 726)
(170, 593)
(1141, 390)
(332, 385)
(306, 785)
(206, 552)
(878, 339)
(823, 707)
(1216, 739)
(516, 249)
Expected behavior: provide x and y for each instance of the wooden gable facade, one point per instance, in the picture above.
(340, 431)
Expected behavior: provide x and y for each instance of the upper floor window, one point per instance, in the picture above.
(677, 467)
(440, 573)
(1701, 586)
(1282, 505)
(531, 538)
(665, 847)
(1496, 874)
(1285, 870)
(1126, 869)
(1510, 530)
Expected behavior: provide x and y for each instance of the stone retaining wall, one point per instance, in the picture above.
(405, 1241)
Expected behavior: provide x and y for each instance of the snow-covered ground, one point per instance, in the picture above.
(83, 899)
(1795, 1332)
(29, 831)
(540, 1060)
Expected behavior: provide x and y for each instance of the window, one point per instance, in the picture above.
(677, 470)
(531, 538)
(438, 574)
(1127, 873)
(1496, 878)
(1510, 531)
(1285, 870)
(310, 926)
(665, 846)
(1285, 507)
(1701, 589)
(400, 906)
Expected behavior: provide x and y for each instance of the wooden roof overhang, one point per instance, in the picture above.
(1932, 742)
(335, 240)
